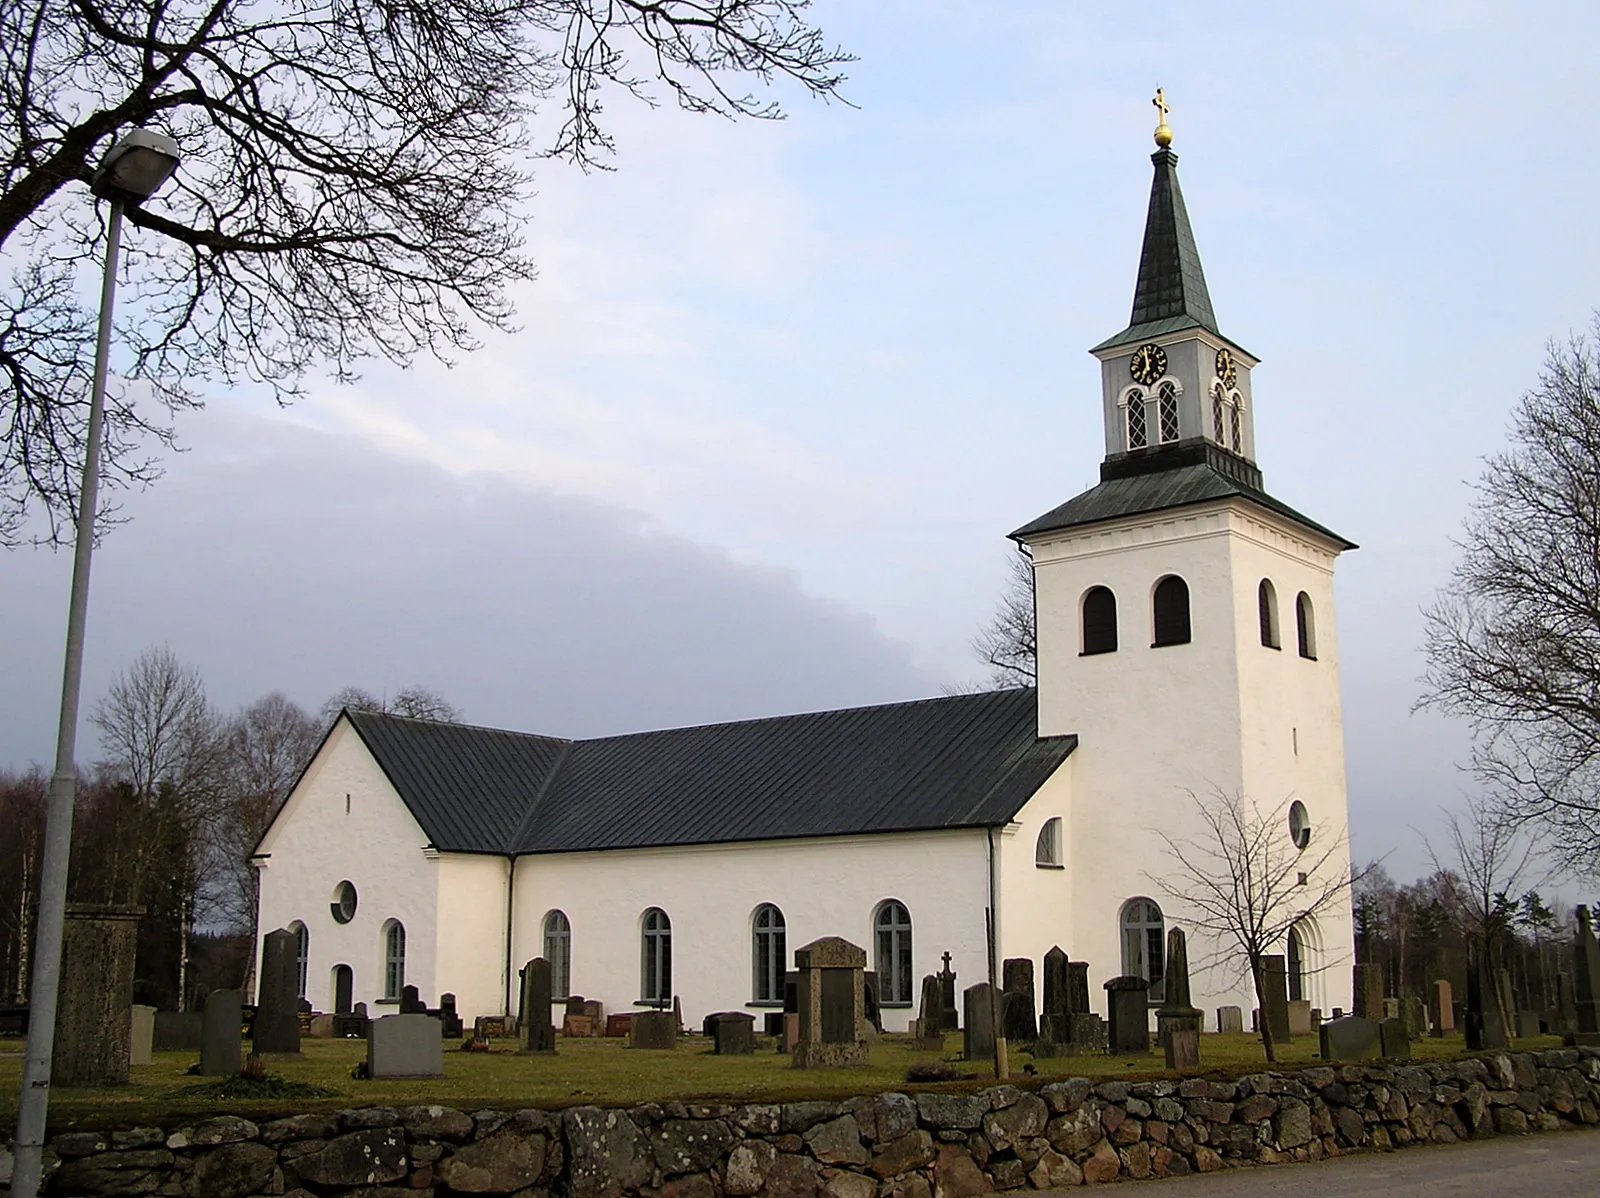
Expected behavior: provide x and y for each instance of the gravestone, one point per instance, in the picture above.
(655, 1030)
(1275, 997)
(1442, 1008)
(1566, 1012)
(1128, 1000)
(832, 1004)
(579, 1027)
(141, 1034)
(534, 1027)
(1018, 1010)
(178, 1031)
(1316, 1016)
(1528, 1025)
(1078, 988)
(1368, 992)
(321, 1027)
(1300, 1023)
(1053, 1023)
(1393, 1043)
(408, 1045)
(96, 989)
(1416, 1013)
(411, 1002)
(977, 1022)
(1391, 1008)
(219, 1034)
(930, 1019)
(1484, 1027)
(596, 1012)
(1586, 980)
(1350, 1038)
(949, 1015)
(622, 1025)
(733, 1033)
(277, 1023)
(1230, 1020)
(353, 1025)
(1178, 1021)
(449, 1021)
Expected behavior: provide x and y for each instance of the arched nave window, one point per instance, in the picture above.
(769, 944)
(302, 954)
(1169, 411)
(1170, 605)
(892, 925)
(394, 958)
(1138, 429)
(558, 951)
(1267, 608)
(655, 974)
(1099, 621)
(1306, 625)
(1144, 944)
(1047, 849)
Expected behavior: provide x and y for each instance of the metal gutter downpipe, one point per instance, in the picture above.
(511, 894)
(1002, 1064)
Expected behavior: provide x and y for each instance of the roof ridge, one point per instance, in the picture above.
(524, 825)
(463, 724)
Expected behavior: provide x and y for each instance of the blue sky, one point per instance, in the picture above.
(811, 373)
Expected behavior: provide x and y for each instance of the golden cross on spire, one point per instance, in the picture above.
(1163, 131)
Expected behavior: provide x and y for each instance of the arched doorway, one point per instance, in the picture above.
(1297, 967)
(343, 987)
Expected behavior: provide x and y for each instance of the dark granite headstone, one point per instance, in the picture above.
(949, 1013)
(408, 1045)
(277, 1025)
(791, 993)
(1586, 980)
(1484, 1027)
(1019, 1010)
(449, 1021)
(1053, 1023)
(930, 1019)
(411, 1002)
(653, 1029)
(977, 1022)
(733, 1033)
(1128, 999)
(96, 989)
(1368, 992)
(1275, 997)
(219, 1035)
(534, 1026)
(1178, 1021)
(1078, 988)
(1393, 1042)
(1350, 1038)
(771, 1023)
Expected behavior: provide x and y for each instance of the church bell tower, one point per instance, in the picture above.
(1185, 615)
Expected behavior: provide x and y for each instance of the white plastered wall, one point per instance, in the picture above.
(824, 887)
(344, 822)
(1035, 903)
(472, 932)
(1159, 726)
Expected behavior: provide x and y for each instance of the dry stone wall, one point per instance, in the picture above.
(927, 1145)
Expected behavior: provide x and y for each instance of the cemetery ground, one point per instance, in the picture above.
(606, 1072)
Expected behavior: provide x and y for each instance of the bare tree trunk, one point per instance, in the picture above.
(1265, 1024)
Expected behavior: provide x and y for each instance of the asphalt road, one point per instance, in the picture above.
(1552, 1165)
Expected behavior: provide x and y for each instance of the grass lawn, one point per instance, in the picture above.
(605, 1072)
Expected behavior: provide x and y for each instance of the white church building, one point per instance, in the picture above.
(1186, 646)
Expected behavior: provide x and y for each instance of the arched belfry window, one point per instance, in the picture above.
(771, 953)
(1219, 416)
(1168, 408)
(1305, 622)
(394, 958)
(558, 951)
(655, 972)
(892, 934)
(1138, 424)
(1267, 609)
(1170, 605)
(1047, 849)
(1144, 944)
(1236, 422)
(1099, 621)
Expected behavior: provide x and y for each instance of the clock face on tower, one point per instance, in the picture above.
(1149, 362)
(1227, 368)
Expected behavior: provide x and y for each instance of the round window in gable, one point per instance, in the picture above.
(344, 902)
(1299, 824)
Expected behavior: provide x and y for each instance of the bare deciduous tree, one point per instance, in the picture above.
(1244, 881)
(353, 181)
(1513, 640)
(417, 702)
(1008, 643)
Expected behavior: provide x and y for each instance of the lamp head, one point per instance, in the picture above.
(136, 167)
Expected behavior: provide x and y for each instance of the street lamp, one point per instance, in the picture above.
(130, 173)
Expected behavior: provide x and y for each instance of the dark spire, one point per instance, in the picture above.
(1171, 291)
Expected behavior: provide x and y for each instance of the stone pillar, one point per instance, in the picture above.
(92, 1021)
(277, 1022)
(537, 1032)
(1178, 1021)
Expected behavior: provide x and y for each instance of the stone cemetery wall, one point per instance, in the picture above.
(889, 1145)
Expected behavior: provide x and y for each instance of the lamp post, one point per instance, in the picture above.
(130, 173)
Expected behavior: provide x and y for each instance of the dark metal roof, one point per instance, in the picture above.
(962, 761)
(1137, 494)
(1170, 294)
